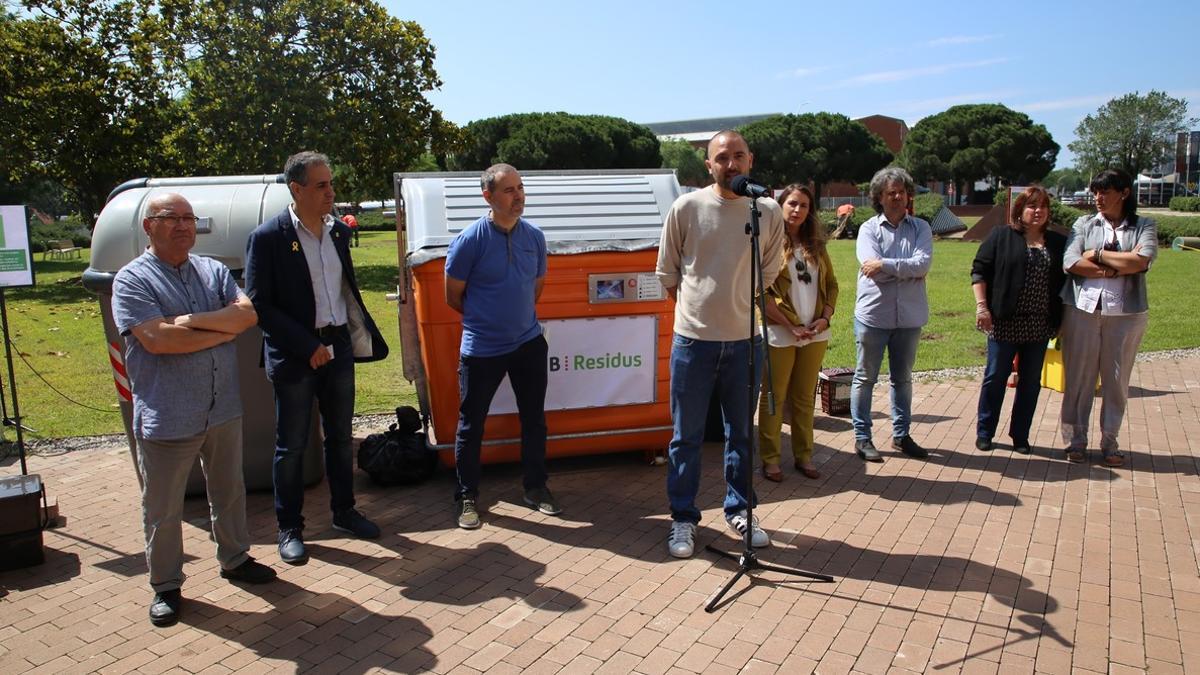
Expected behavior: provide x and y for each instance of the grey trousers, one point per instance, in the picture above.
(165, 466)
(1097, 345)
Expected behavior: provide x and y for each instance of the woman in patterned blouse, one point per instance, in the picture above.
(1016, 277)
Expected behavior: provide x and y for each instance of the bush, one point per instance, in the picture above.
(926, 206)
(40, 234)
(375, 221)
(1170, 227)
(1062, 215)
(1185, 203)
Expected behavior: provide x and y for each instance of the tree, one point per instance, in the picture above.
(95, 92)
(1131, 132)
(986, 141)
(557, 141)
(817, 147)
(268, 78)
(85, 94)
(687, 161)
(1066, 181)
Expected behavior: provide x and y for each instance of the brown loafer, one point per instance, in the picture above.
(808, 473)
(1114, 459)
(775, 476)
(1075, 455)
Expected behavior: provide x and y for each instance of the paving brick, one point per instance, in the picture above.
(967, 562)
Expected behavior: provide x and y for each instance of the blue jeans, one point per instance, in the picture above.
(478, 379)
(901, 345)
(332, 386)
(697, 368)
(995, 380)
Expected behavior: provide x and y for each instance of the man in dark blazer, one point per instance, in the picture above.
(315, 326)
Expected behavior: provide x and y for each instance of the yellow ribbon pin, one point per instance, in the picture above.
(295, 246)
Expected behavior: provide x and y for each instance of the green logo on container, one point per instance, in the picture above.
(1, 230)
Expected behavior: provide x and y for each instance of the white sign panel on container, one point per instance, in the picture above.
(16, 265)
(594, 363)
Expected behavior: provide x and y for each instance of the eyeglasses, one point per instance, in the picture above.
(177, 220)
(802, 270)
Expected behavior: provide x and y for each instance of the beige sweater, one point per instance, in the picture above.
(705, 254)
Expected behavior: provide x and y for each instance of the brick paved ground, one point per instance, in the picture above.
(966, 562)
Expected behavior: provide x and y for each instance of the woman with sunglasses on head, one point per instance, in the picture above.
(1017, 277)
(1107, 257)
(799, 306)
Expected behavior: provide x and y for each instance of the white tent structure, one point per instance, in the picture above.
(1155, 191)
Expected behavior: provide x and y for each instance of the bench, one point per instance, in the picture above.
(62, 248)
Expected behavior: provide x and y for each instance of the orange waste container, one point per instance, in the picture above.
(607, 320)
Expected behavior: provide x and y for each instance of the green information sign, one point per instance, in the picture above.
(12, 260)
(16, 265)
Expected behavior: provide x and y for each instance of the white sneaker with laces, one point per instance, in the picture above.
(737, 523)
(681, 543)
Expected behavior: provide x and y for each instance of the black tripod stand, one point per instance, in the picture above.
(748, 560)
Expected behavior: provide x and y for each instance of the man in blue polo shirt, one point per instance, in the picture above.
(495, 270)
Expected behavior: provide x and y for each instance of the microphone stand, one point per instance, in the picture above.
(748, 560)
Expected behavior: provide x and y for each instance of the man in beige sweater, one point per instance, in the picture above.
(704, 263)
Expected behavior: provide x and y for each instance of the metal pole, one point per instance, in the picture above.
(12, 384)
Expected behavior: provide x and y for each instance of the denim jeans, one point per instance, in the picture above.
(697, 368)
(478, 379)
(901, 345)
(995, 380)
(332, 386)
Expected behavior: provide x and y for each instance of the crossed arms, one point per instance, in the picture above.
(188, 333)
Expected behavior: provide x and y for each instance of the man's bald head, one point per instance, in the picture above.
(170, 223)
(728, 156)
(725, 138)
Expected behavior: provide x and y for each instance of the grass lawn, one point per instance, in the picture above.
(56, 327)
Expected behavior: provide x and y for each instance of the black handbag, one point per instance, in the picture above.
(398, 456)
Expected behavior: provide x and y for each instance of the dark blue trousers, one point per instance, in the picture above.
(995, 380)
(478, 379)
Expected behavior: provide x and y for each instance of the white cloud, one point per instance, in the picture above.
(961, 40)
(1096, 100)
(1065, 103)
(801, 72)
(941, 103)
(885, 76)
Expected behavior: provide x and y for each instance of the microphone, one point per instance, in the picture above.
(742, 185)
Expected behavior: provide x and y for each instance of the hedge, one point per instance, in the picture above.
(1170, 227)
(375, 221)
(41, 234)
(1185, 203)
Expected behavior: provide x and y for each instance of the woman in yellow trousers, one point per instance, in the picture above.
(799, 305)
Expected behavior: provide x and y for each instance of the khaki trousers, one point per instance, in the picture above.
(165, 466)
(794, 381)
(1097, 345)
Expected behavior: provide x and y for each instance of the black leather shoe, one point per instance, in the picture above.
(984, 444)
(1022, 447)
(164, 610)
(355, 523)
(250, 572)
(291, 547)
(909, 447)
(866, 449)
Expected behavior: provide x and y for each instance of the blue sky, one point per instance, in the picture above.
(659, 61)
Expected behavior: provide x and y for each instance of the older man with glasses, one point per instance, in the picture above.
(179, 314)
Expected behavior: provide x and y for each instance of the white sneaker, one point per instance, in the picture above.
(737, 523)
(681, 543)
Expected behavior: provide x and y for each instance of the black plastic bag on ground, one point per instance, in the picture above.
(399, 455)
